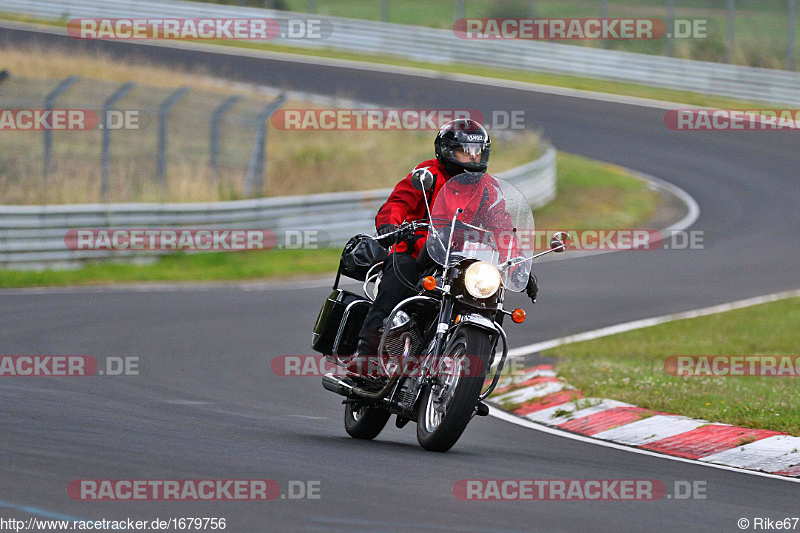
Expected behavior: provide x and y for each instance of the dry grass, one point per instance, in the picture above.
(298, 162)
(45, 62)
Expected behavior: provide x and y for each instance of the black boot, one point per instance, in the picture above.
(366, 347)
(363, 357)
(364, 367)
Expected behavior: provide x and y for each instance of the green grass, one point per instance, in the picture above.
(579, 205)
(216, 266)
(557, 80)
(630, 367)
(595, 195)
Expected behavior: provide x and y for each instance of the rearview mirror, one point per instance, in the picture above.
(422, 179)
(560, 241)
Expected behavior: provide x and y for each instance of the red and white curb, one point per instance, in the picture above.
(538, 395)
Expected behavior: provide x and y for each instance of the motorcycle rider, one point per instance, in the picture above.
(461, 145)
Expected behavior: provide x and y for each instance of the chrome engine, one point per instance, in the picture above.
(402, 331)
(404, 339)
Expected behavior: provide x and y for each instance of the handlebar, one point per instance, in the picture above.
(405, 227)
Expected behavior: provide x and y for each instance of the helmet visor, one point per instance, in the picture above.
(466, 154)
(471, 149)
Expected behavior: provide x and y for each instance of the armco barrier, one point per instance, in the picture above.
(442, 46)
(32, 237)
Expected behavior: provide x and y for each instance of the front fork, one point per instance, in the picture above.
(443, 326)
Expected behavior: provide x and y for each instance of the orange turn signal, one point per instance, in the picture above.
(429, 283)
(518, 316)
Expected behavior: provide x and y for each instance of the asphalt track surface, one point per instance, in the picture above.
(209, 405)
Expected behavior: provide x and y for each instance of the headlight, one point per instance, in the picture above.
(482, 279)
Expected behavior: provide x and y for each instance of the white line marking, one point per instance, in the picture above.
(502, 415)
(784, 461)
(694, 209)
(186, 402)
(693, 213)
(647, 322)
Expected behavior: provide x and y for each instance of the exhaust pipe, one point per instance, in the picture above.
(336, 384)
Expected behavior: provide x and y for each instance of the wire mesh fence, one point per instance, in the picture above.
(128, 142)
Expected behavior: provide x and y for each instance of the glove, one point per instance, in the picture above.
(532, 289)
(383, 230)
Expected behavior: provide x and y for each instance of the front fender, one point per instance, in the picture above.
(480, 321)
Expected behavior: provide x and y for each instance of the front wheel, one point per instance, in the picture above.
(362, 421)
(447, 406)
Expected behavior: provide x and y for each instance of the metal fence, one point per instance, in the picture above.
(442, 46)
(33, 237)
(134, 142)
(749, 32)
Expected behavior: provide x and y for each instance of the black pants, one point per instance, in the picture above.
(393, 290)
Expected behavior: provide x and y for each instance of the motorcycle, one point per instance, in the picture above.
(438, 345)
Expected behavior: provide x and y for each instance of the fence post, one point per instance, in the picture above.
(790, 38)
(49, 102)
(163, 111)
(258, 159)
(216, 118)
(604, 15)
(106, 149)
(670, 27)
(729, 38)
(384, 10)
(459, 9)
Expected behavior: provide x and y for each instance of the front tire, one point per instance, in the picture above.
(445, 410)
(362, 421)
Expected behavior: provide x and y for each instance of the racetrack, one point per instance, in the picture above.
(210, 406)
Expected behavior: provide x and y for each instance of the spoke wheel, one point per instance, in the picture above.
(447, 405)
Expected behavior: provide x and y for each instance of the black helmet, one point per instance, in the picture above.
(464, 135)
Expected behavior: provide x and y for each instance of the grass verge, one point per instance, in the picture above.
(597, 195)
(590, 194)
(630, 367)
(215, 266)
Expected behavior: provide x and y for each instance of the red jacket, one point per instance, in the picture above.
(406, 203)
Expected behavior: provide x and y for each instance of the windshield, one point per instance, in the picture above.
(495, 225)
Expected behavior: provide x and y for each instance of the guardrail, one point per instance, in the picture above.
(442, 46)
(32, 237)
